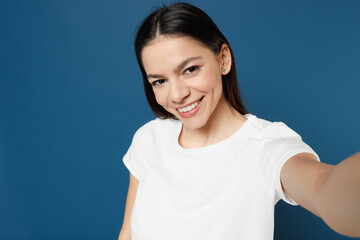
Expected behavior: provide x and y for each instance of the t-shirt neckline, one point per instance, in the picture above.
(240, 133)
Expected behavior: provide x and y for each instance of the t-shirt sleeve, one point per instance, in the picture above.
(133, 157)
(284, 144)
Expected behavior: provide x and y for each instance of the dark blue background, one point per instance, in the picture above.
(71, 98)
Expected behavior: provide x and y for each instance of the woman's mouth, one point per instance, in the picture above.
(190, 109)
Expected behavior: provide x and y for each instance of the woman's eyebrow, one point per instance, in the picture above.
(178, 68)
(186, 62)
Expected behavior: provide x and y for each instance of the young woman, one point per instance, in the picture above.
(206, 168)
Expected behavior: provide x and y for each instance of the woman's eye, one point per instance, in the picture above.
(191, 69)
(158, 82)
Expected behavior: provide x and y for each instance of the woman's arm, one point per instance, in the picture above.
(330, 192)
(125, 232)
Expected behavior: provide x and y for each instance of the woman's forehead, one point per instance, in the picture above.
(172, 51)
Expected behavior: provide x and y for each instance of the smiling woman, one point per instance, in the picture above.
(190, 84)
(185, 20)
(206, 168)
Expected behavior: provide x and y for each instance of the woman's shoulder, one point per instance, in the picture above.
(156, 126)
(159, 123)
(266, 129)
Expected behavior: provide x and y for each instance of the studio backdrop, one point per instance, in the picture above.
(71, 98)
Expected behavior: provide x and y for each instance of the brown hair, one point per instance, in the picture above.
(182, 19)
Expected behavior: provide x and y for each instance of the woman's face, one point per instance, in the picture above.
(186, 77)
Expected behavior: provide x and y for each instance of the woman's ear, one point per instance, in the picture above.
(225, 59)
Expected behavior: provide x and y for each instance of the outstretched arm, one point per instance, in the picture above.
(125, 232)
(330, 192)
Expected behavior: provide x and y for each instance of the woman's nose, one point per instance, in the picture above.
(178, 91)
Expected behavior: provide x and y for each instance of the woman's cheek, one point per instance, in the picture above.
(210, 82)
(160, 97)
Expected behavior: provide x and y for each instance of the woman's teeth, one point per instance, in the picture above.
(189, 108)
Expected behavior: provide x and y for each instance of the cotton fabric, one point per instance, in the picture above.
(225, 191)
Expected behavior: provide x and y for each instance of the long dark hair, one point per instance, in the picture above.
(183, 19)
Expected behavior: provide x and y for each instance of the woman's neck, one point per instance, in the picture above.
(222, 123)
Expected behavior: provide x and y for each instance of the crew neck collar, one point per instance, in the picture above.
(240, 133)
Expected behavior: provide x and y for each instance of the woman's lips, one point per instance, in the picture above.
(191, 109)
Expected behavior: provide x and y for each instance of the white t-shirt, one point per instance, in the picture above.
(225, 191)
